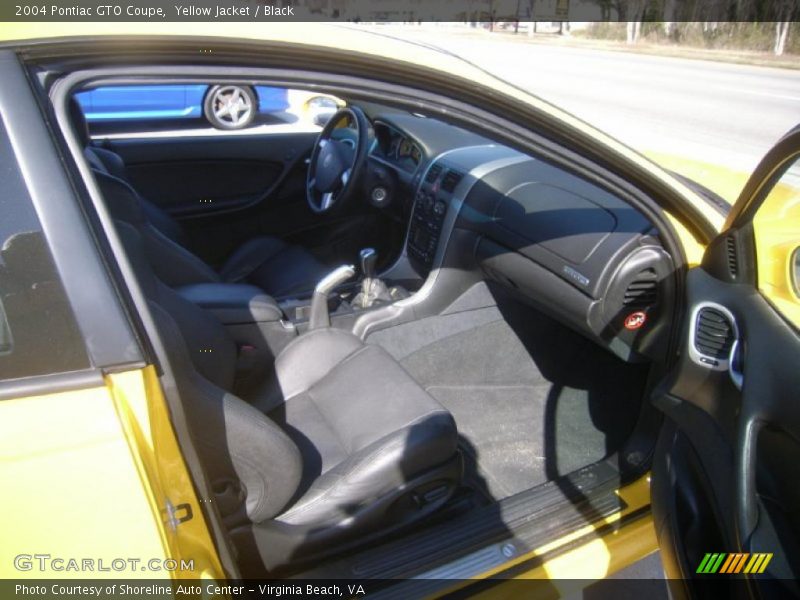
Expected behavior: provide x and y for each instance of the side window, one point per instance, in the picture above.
(777, 234)
(38, 331)
(191, 108)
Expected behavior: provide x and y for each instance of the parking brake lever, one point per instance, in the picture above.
(320, 316)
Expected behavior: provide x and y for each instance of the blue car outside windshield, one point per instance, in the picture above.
(142, 102)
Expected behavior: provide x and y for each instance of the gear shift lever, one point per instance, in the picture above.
(320, 316)
(372, 288)
(368, 258)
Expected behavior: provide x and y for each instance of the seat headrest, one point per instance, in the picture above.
(79, 123)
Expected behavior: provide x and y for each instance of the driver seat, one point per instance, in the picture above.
(280, 269)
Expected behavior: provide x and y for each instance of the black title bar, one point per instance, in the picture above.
(474, 11)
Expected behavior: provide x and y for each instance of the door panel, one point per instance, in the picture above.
(197, 176)
(726, 442)
(727, 463)
(228, 188)
(198, 187)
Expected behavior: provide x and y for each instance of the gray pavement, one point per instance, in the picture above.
(721, 113)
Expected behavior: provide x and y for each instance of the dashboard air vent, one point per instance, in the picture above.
(733, 263)
(642, 291)
(433, 173)
(450, 181)
(714, 333)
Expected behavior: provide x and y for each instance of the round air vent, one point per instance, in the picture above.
(712, 336)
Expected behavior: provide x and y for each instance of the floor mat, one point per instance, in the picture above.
(504, 447)
(511, 444)
(532, 399)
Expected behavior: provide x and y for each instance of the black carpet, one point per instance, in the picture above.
(532, 399)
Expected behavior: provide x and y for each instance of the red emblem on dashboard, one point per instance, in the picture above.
(635, 320)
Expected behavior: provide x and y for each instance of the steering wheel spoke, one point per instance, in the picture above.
(327, 201)
(337, 160)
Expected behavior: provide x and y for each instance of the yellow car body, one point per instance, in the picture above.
(103, 464)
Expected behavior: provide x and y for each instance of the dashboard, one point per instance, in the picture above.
(568, 246)
(393, 146)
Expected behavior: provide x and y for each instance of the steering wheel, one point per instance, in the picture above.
(337, 160)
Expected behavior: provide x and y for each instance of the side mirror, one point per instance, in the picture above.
(321, 119)
(321, 109)
(794, 269)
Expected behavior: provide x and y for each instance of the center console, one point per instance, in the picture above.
(258, 323)
(233, 303)
(252, 319)
(427, 218)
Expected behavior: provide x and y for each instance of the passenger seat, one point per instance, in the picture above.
(344, 447)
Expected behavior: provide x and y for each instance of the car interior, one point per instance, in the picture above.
(394, 336)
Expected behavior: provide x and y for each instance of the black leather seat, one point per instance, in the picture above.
(278, 268)
(342, 445)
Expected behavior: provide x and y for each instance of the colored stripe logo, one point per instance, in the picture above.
(743, 562)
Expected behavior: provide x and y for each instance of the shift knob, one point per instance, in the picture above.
(368, 258)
